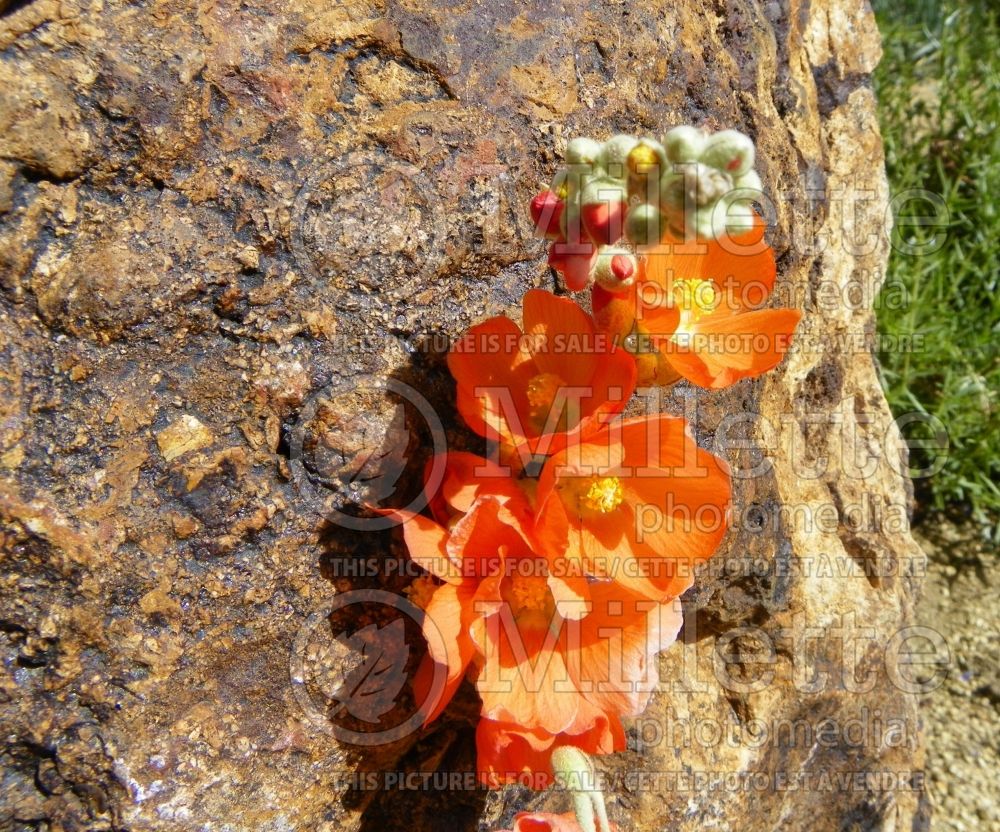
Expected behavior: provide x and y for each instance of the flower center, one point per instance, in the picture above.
(542, 390)
(695, 297)
(530, 600)
(604, 495)
(528, 594)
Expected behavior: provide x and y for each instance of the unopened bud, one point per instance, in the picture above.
(694, 185)
(644, 225)
(582, 151)
(614, 269)
(646, 163)
(614, 155)
(546, 212)
(603, 204)
(574, 262)
(684, 144)
(646, 157)
(729, 150)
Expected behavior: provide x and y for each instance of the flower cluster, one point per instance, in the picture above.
(554, 569)
(639, 189)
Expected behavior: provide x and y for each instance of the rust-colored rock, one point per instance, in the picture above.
(233, 240)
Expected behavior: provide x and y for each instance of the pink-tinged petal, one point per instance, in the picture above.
(426, 543)
(613, 655)
(524, 680)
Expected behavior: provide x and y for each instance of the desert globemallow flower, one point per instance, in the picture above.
(638, 504)
(697, 311)
(539, 386)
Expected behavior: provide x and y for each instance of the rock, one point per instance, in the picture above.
(274, 216)
(184, 434)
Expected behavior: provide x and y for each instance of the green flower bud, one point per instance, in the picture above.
(749, 186)
(694, 184)
(684, 144)
(738, 217)
(644, 225)
(730, 151)
(583, 151)
(614, 155)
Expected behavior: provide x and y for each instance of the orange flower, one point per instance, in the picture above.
(511, 754)
(557, 658)
(534, 389)
(638, 503)
(696, 312)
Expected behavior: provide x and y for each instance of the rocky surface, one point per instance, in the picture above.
(232, 236)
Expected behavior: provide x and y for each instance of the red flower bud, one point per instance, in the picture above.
(546, 211)
(574, 262)
(603, 221)
(603, 206)
(622, 267)
(577, 274)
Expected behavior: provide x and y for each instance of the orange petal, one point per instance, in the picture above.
(445, 627)
(733, 347)
(555, 328)
(742, 266)
(505, 750)
(426, 542)
(614, 663)
(491, 358)
(612, 384)
(481, 539)
(524, 679)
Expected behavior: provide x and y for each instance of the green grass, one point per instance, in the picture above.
(939, 96)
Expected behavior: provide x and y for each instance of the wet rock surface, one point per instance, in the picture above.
(234, 239)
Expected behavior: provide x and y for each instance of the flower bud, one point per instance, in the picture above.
(646, 163)
(739, 217)
(644, 225)
(614, 269)
(729, 150)
(546, 213)
(603, 203)
(694, 184)
(748, 186)
(684, 144)
(582, 151)
(614, 155)
(573, 262)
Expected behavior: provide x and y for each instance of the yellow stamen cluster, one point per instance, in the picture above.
(695, 297)
(604, 495)
(542, 391)
(528, 594)
(420, 591)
